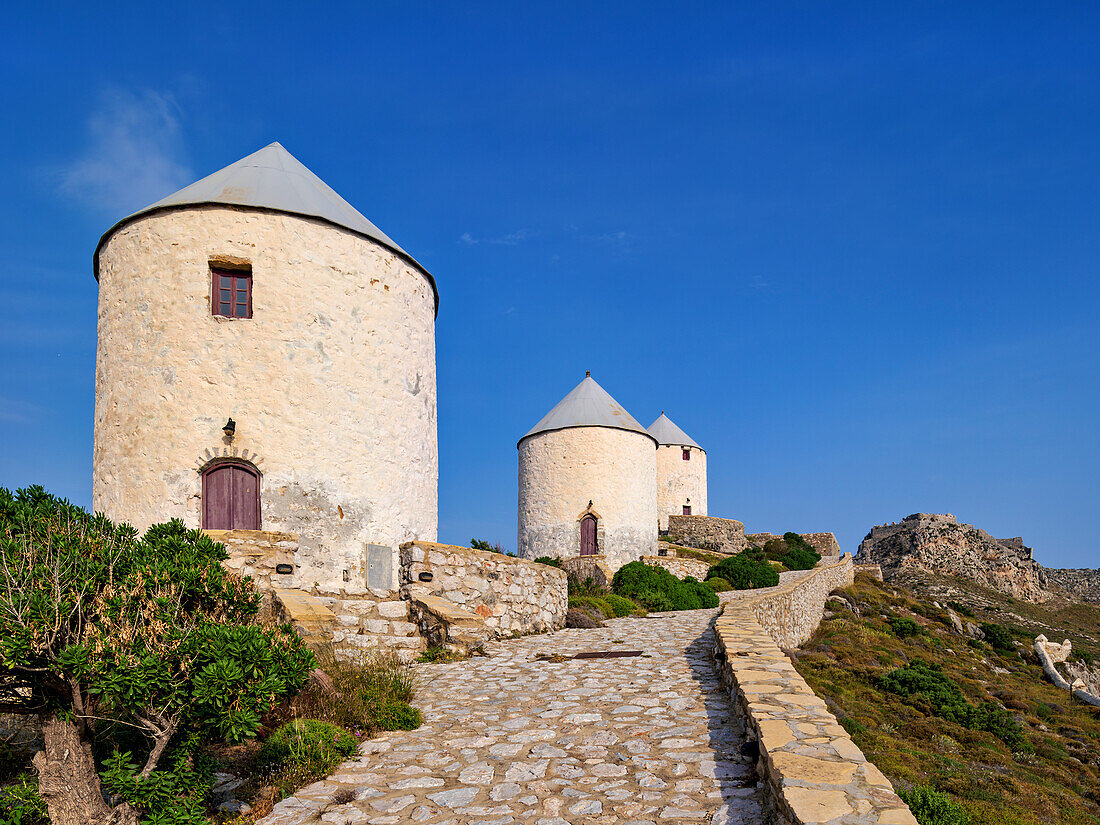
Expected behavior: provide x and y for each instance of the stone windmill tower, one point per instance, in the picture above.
(266, 359)
(587, 481)
(681, 472)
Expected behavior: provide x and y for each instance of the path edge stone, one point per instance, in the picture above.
(811, 769)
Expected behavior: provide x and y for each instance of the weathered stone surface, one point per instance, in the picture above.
(721, 534)
(512, 596)
(680, 483)
(332, 381)
(939, 544)
(562, 471)
(680, 567)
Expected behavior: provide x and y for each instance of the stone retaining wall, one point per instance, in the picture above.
(680, 567)
(721, 534)
(258, 553)
(812, 770)
(353, 623)
(513, 596)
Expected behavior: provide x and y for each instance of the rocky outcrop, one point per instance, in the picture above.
(1082, 585)
(939, 544)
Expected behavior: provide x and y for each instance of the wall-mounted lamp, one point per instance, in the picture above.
(230, 428)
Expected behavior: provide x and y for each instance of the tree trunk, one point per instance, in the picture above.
(67, 778)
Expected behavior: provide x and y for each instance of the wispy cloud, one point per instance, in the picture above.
(19, 411)
(467, 239)
(134, 154)
(511, 239)
(758, 282)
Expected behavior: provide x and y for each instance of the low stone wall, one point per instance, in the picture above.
(353, 623)
(513, 596)
(581, 568)
(721, 534)
(260, 554)
(1083, 584)
(812, 770)
(680, 567)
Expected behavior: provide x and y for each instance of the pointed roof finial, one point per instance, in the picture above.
(588, 405)
(588, 373)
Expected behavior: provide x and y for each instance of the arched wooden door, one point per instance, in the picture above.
(231, 498)
(589, 546)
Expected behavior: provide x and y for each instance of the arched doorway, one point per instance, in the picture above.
(231, 497)
(589, 546)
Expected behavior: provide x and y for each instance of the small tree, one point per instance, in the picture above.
(100, 628)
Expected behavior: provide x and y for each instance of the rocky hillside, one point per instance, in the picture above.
(938, 544)
(938, 684)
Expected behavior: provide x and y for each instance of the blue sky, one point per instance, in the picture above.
(852, 249)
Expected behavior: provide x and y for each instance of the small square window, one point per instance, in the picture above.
(687, 457)
(687, 507)
(231, 292)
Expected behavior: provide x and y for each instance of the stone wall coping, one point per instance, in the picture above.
(813, 771)
(481, 555)
(269, 536)
(701, 519)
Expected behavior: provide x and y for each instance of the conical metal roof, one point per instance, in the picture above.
(274, 179)
(668, 433)
(588, 405)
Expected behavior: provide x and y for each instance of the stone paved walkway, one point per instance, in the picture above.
(507, 739)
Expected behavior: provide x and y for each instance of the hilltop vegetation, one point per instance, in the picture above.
(965, 727)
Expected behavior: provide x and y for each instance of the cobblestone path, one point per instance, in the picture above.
(509, 739)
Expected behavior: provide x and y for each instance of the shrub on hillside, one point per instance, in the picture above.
(932, 807)
(622, 605)
(104, 633)
(934, 692)
(748, 569)
(549, 561)
(658, 590)
(718, 585)
(999, 638)
(792, 551)
(904, 628)
(20, 803)
(486, 547)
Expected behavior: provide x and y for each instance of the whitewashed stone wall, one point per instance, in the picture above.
(332, 382)
(512, 595)
(680, 482)
(680, 568)
(561, 471)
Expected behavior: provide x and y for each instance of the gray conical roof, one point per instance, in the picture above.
(272, 178)
(668, 433)
(588, 405)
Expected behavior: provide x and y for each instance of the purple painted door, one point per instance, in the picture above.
(588, 536)
(231, 498)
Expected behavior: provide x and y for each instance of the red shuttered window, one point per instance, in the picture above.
(231, 293)
(687, 455)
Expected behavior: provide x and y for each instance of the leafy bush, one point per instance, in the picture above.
(904, 628)
(718, 585)
(597, 603)
(485, 547)
(961, 608)
(792, 551)
(659, 590)
(937, 695)
(173, 794)
(932, 807)
(748, 569)
(102, 631)
(999, 638)
(305, 750)
(549, 561)
(20, 803)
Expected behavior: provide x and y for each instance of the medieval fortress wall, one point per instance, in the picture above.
(332, 382)
(680, 482)
(558, 472)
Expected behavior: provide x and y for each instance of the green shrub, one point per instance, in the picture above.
(174, 793)
(999, 638)
(149, 634)
(659, 590)
(748, 569)
(598, 603)
(486, 547)
(718, 585)
(303, 751)
(20, 803)
(588, 587)
(549, 561)
(621, 605)
(959, 607)
(932, 807)
(904, 628)
(929, 688)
